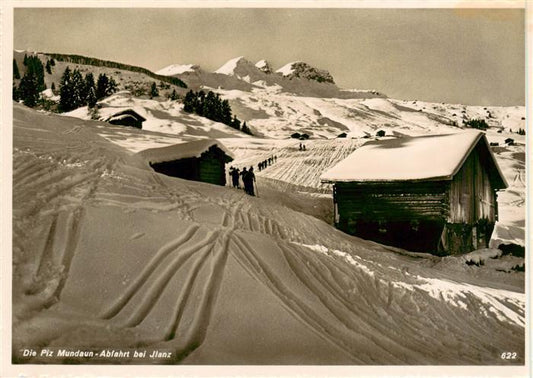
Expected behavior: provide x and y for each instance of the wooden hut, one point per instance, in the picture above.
(202, 160)
(432, 194)
(127, 117)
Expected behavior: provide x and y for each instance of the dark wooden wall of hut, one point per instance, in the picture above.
(409, 215)
(210, 167)
(183, 168)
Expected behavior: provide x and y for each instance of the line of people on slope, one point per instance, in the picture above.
(265, 163)
(247, 176)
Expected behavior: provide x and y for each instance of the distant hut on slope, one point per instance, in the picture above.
(429, 194)
(127, 117)
(202, 160)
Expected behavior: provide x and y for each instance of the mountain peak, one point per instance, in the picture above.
(264, 66)
(301, 69)
(229, 67)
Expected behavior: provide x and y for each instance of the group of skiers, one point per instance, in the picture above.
(248, 179)
(247, 175)
(302, 147)
(265, 163)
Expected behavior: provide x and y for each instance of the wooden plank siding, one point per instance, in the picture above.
(406, 214)
(212, 167)
(392, 201)
(472, 195)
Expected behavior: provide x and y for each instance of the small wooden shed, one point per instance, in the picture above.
(127, 117)
(201, 160)
(433, 193)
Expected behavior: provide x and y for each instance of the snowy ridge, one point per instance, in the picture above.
(176, 69)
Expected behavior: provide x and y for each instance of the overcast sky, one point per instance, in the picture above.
(443, 55)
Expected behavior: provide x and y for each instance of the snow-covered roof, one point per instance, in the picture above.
(182, 151)
(120, 113)
(429, 157)
(229, 67)
(176, 69)
(49, 94)
(121, 117)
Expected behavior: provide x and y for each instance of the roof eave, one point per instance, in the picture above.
(482, 136)
(377, 181)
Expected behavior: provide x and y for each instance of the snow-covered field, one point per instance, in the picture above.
(161, 116)
(109, 254)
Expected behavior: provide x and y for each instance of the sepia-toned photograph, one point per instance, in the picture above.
(268, 186)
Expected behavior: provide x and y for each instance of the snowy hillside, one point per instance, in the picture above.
(165, 117)
(109, 254)
(138, 82)
(274, 113)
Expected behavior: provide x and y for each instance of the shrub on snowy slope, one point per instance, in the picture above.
(479, 124)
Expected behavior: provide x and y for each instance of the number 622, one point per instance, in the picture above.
(508, 356)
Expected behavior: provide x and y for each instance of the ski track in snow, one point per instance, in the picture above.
(301, 168)
(507, 306)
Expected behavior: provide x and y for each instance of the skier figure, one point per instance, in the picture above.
(249, 183)
(300, 146)
(244, 175)
(234, 172)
